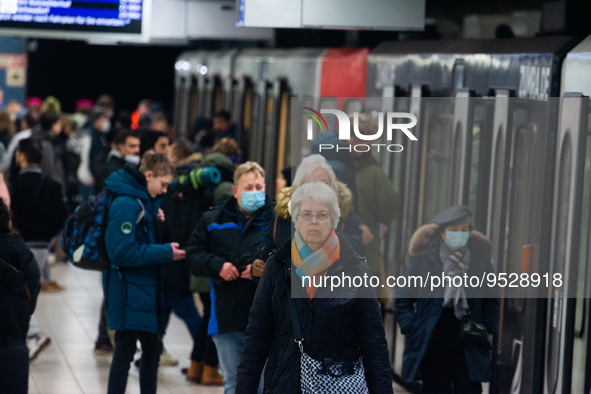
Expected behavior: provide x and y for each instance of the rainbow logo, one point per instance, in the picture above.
(316, 118)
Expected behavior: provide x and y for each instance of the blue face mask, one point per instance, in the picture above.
(456, 239)
(251, 201)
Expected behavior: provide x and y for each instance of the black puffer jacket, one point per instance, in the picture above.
(223, 235)
(339, 328)
(19, 286)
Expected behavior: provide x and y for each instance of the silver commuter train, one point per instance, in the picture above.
(513, 162)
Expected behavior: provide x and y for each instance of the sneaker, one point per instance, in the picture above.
(103, 349)
(166, 360)
(36, 345)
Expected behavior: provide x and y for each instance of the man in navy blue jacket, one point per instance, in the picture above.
(133, 283)
(223, 246)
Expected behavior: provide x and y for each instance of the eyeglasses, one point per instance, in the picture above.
(321, 216)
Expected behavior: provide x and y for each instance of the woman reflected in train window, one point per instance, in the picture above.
(448, 329)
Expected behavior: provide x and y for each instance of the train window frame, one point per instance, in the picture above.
(443, 119)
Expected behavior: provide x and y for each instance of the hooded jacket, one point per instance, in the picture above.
(418, 322)
(222, 236)
(339, 328)
(349, 224)
(133, 283)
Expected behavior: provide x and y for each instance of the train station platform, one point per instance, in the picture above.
(69, 366)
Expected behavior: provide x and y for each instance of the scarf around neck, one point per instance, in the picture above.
(313, 264)
(455, 263)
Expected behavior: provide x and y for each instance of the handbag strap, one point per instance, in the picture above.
(297, 332)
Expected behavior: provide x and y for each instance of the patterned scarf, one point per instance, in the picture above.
(455, 263)
(314, 264)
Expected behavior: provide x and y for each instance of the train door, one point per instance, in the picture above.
(412, 156)
(565, 243)
(242, 113)
(214, 96)
(461, 150)
(520, 181)
(277, 143)
(180, 106)
(436, 164)
(260, 109)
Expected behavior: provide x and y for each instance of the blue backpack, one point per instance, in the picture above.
(83, 238)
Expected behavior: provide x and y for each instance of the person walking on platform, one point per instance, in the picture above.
(434, 323)
(19, 288)
(223, 246)
(343, 326)
(133, 283)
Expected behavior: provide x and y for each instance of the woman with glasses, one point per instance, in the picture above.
(337, 324)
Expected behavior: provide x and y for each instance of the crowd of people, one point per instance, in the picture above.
(191, 219)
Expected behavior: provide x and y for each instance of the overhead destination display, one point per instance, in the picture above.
(107, 16)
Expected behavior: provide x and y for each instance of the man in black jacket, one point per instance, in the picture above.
(223, 246)
(126, 149)
(39, 207)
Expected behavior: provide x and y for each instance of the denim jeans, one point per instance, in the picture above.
(125, 346)
(184, 307)
(229, 346)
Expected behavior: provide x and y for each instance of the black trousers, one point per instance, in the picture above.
(14, 369)
(125, 346)
(445, 367)
(203, 346)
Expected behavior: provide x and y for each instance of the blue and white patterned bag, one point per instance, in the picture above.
(328, 377)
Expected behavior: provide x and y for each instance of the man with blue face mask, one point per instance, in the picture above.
(223, 246)
(433, 320)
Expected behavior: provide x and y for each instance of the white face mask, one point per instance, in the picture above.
(133, 159)
(106, 126)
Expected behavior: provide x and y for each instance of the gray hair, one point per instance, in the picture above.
(308, 166)
(319, 192)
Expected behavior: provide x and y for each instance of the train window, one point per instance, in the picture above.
(245, 110)
(520, 199)
(458, 153)
(179, 108)
(254, 143)
(474, 166)
(458, 75)
(218, 96)
(193, 102)
(269, 134)
(437, 162)
(557, 303)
